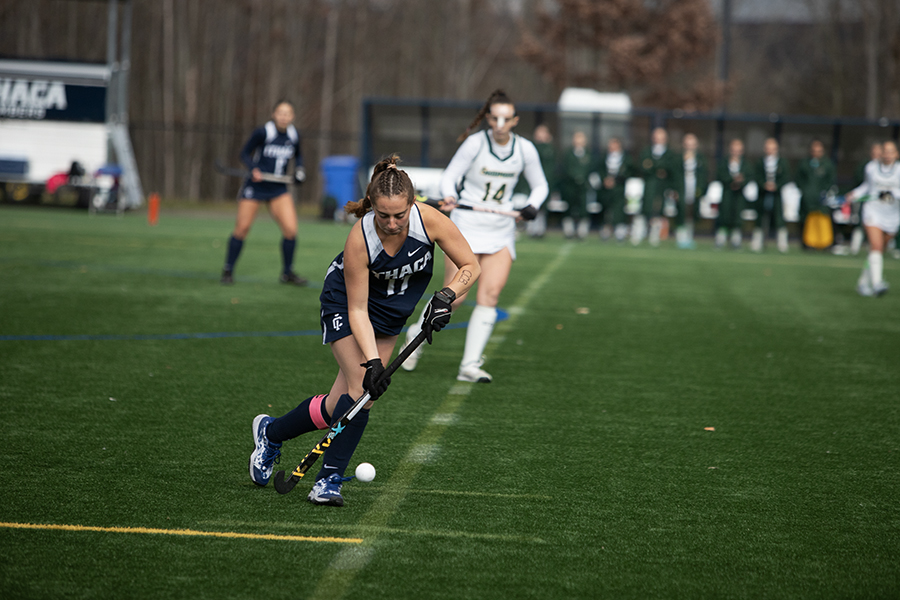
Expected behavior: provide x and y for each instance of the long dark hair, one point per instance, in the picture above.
(496, 97)
(387, 180)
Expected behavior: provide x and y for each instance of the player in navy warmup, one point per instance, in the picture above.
(269, 150)
(370, 290)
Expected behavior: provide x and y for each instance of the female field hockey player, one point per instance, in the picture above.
(880, 215)
(370, 290)
(483, 173)
(268, 151)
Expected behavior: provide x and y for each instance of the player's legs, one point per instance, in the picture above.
(282, 210)
(874, 269)
(737, 220)
(495, 270)
(327, 489)
(246, 213)
(285, 215)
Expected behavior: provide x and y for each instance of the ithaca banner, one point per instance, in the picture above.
(42, 91)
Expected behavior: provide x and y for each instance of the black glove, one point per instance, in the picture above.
(528, 213)
(374, 380)
(437, 313)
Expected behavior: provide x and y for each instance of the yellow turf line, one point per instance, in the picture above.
(373, 530)
(337, 578)
(183, 532)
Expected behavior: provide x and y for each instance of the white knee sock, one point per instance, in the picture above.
(584, 227)
(876, 267)
(481, 326)
(416, 327)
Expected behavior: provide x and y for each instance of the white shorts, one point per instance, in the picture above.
(486, 233)
(883, 215)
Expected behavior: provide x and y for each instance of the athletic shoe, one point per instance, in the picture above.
(864, 289)
(227, 277)
(327, 490)
(881, 289)
(293, 279)
(266, 455)
(474, 373)
(410, 363)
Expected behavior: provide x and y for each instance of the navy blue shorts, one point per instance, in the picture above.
(262, 191)
(336, 325)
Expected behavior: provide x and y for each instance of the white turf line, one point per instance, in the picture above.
(337, 579)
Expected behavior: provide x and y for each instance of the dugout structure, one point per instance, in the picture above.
(58, 116)
(424, 131)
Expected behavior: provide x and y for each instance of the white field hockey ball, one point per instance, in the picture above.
(365, 472)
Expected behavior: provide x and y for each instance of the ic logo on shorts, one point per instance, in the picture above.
(337, 322)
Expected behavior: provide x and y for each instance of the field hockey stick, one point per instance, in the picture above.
(436, 203)
(244, 174)
(282, 486)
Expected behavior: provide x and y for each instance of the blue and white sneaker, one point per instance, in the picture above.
(327, 490)
(266, 455)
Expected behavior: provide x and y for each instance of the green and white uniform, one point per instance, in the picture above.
(691, 177)
(618, 166)
(771, 169)
(734, 176)
(484, 173)
(657, 165)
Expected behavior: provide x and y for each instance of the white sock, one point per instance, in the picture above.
(584, 227)
(756, 244)
(782, 239)
(638, 229)
(876, 267)
(481, 326)
(655, 230)
(856, 240)
(864, 279)
(721, 237)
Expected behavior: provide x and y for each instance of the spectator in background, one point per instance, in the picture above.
(772, 174)
(734, 172)
(543, 143)
(816, 175)
(657, 164)
(576, 165)
(691, 176)
(614, 168)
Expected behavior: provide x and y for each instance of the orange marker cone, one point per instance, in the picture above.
(153, 209)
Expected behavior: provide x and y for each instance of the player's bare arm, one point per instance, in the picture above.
(356, 277)
(454, 245)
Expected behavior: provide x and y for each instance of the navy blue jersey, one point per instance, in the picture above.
(270, 151)
(396, 283)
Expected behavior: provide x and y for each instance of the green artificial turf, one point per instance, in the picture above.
(662, 424)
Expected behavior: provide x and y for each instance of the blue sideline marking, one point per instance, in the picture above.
(501, 316)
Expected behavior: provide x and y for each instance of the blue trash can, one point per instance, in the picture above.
(340, 173)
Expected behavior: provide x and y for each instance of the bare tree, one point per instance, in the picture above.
(659, 51)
